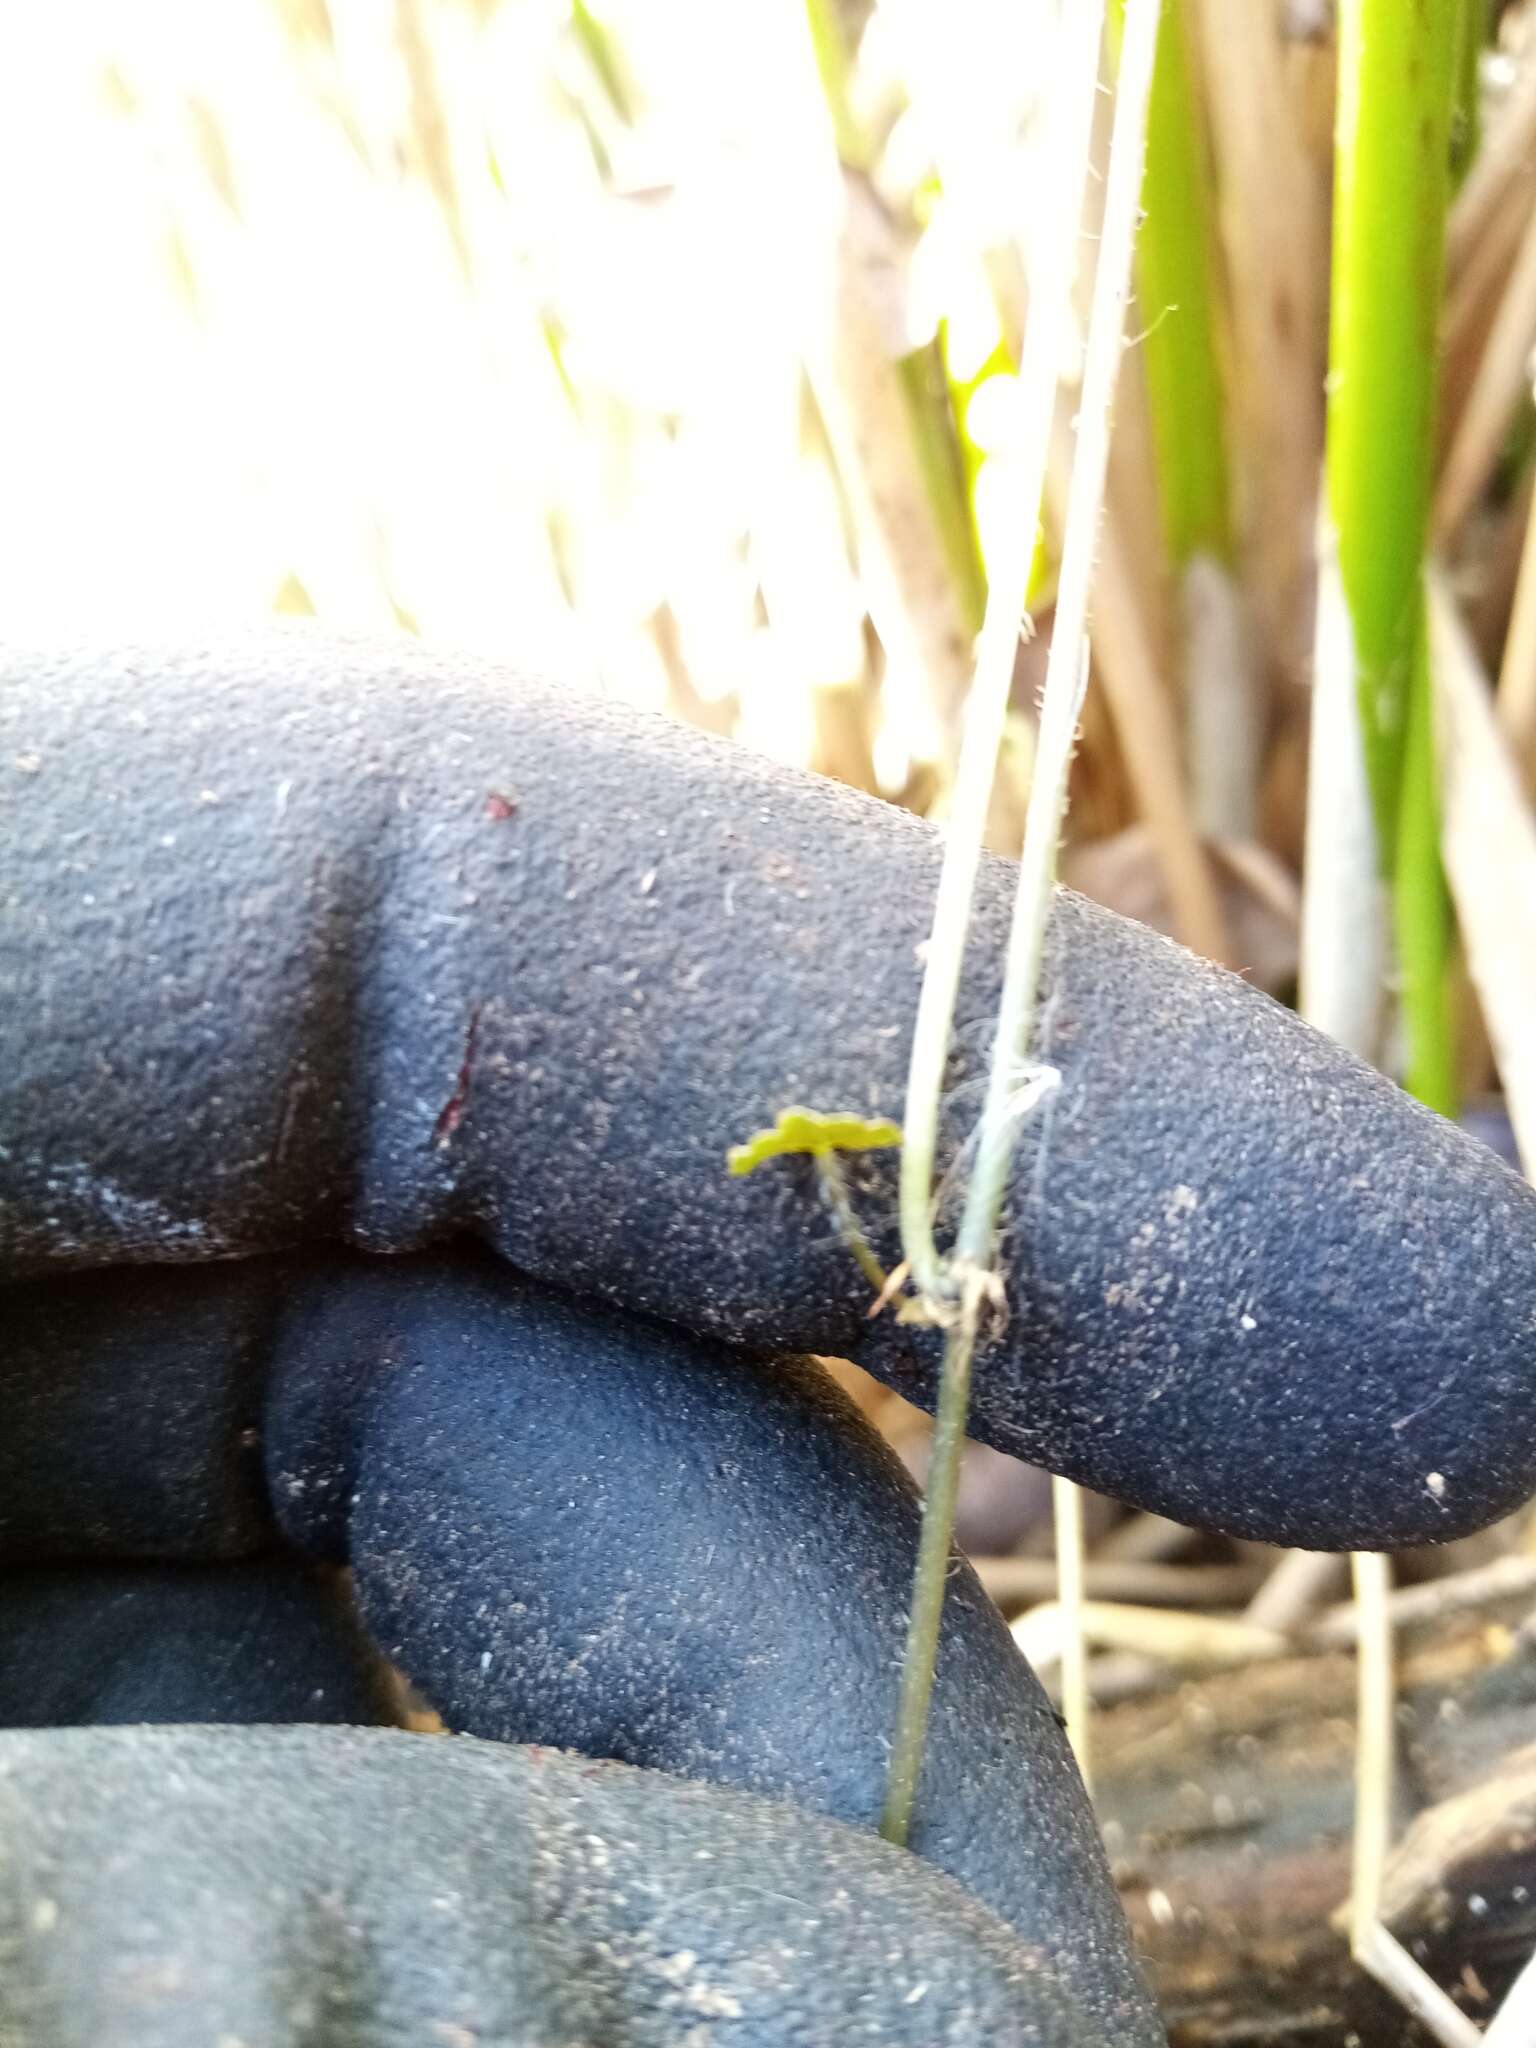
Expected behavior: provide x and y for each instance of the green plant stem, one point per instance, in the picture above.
(1066, 679)
(1397, 83)
(1178, 311)
(834, 68)
(931, 1576)
(607, 61)
(835, 1188)
(925, 389)
(1392, 183)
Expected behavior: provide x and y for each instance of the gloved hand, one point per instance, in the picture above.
(570, 1529)
(308, 942)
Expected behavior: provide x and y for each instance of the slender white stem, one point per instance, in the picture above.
(1374, 1948)
(1384, 1956)
(1375, 1746)
(1514, 2024)
(1066, 676)
(1073, 96)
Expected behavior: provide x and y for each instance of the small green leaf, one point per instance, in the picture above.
(812, 1130)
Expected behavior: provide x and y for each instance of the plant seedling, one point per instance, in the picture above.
(822, 1135)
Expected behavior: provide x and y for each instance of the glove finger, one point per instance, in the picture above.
(316, 939)
(264, 1640)
(369, 1886)
(580, 1529)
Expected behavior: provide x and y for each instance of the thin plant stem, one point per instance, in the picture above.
(1375, 1705)
(1416, 1991)
(1076, 84)
(833, 67)
(1373, 1947)
(1066, 680)
(931, 1576)
(1066, 677)
(1517, 671)
(606, 58)
(834, 1186)
(941, 463)
(1071, 1590)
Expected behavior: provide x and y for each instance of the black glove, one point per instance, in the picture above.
(307, 942)
(304, 939)
(567, 1527)
(348, 1888)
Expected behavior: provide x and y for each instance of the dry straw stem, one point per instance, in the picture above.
(1066, 681)
(1375, 1748)
(1272, 221)
(887, 415)
(1505, 165)
(1293, 1589)
(1131, 503)
(1148, 732)
(1490, 856)
(1067, 1509)
(1384, 1956)
(1011, 1580)
(1517, 671)
(1189, 1642)
(1472, 304)
(1375, 1755)
(1486, 1585)
(1518, 664)
(1487, 220)
(1145, 1536)
(1503, 372)
(867, 401)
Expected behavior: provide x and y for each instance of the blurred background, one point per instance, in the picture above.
(670, 348)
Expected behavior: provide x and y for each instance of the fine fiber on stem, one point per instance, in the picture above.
(1066, 679)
